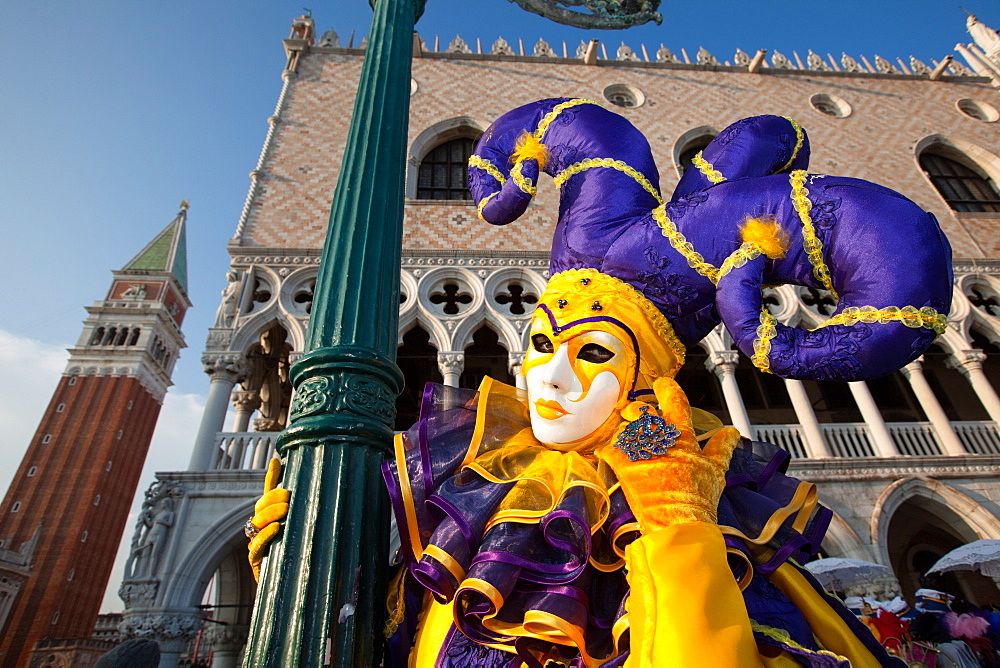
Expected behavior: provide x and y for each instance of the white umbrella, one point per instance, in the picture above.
(839, 573)
(979, 555)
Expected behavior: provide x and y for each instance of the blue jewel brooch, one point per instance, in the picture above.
(647, 437)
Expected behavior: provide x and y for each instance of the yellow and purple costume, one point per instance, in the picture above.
(518, 552)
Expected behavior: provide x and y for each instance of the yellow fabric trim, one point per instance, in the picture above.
(484, 588)
(524, 184)
(813, 246)
(799, 137)
(609, 163)
(548, 627)
(707, 169)
(682, 245)
(434, 625)
(482, 204)
(762, 344)
(744, 581)
(477, 434)
(395, 603)
(619, 532)
(546, 121)
(782, 636)
(911, 316)
(747, 251)
(407, 495)
(804, 500)
(826, 624)
(487, 166)
(445, 560)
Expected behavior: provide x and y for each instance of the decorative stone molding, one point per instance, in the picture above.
(218, 339)
(893, 468)
(342, 392)
(226, 638)
(230, 367)
(161, 626)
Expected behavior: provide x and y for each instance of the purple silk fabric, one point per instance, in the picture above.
(545, 566)
(881, 249)
(755, 146)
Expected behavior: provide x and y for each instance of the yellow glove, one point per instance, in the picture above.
(270, 509)
(685, 484)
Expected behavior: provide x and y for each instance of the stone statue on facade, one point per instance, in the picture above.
(227, 309)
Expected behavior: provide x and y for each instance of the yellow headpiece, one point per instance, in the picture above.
(587, 298)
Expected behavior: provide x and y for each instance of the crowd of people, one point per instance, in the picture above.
(937, 631)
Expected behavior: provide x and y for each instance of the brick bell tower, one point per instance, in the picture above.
(63, 516)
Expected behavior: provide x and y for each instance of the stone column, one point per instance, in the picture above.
(225, 370)
(815, 442)
(245, 402)
(451, 363)
(514, 362)
(914, 373)
(723, 364)
(970, 364)
(881, 439)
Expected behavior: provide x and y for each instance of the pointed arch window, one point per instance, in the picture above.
(444, 172)
(963, 187)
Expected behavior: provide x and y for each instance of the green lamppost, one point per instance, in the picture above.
(321, 595)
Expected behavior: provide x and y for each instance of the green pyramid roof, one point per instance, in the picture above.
(167, 251)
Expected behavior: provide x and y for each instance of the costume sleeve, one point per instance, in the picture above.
(685, 608)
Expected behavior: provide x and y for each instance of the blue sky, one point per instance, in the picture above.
(112, 112)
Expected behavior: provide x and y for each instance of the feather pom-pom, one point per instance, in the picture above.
(529, 147)
(767, 235)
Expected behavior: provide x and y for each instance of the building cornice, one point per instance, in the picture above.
(893, 468)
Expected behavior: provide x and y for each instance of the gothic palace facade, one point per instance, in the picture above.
(908, 463)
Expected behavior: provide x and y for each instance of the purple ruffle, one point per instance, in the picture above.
(546, 566)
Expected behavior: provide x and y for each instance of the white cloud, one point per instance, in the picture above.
(31, 370)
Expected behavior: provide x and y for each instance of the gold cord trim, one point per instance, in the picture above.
(799, 137)
(911, 316)
(762, 344)
(682, 245)
(483, 203)
(524, 184)
(706, 168)
(487, 166)
(739, 257)
(546, 121)
(813, 246)
(610, 163)
(782, 636)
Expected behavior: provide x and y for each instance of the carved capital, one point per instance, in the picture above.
(163, 626)
(226, 638)
(245, 401)
(723, 363)
(138, 593)
(514, 362)
(451, 361)
(230, 367)
(914, 368)
(966, 361)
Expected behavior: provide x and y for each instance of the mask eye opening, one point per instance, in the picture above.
(595, 353)
(542, 344)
